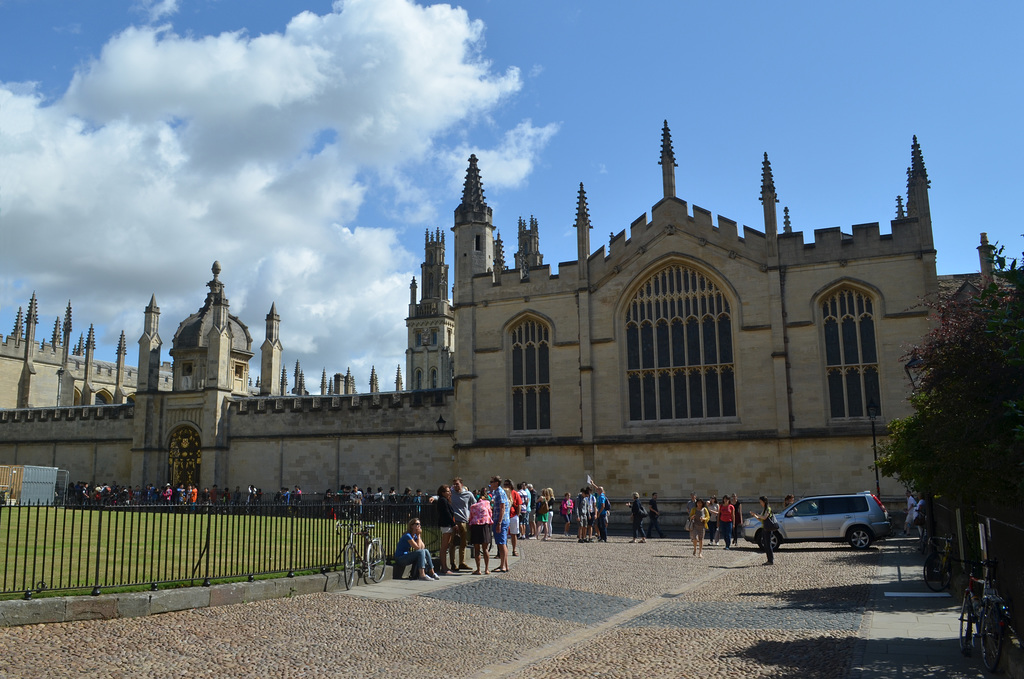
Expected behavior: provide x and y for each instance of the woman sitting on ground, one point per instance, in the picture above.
(412, 551)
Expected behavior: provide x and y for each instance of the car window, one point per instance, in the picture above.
(805, 508)
(843, 505)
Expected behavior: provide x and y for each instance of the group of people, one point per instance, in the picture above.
(502, 513)
(498, 513)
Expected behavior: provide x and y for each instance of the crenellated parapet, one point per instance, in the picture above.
(908, 237)
(373, 413)
(67, 414)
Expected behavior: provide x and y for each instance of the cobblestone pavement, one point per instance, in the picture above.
(565, 609)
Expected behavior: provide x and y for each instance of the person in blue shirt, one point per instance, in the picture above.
(412, 551)
(603, 508)
(501, 519)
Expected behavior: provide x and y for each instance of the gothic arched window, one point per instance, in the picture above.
(418, 379)
(433, 378)
(531, 383)
(679, 360)
(851, 358)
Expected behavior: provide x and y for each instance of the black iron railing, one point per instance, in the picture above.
(101, 547)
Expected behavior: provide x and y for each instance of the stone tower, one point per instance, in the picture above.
(528, 255)
(431, 321)
(270, 357)
(474, 235)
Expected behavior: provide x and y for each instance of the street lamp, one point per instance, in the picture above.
(440, 423)
(872, 414)
(60, 379)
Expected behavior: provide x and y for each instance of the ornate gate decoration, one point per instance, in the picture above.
(184, 457)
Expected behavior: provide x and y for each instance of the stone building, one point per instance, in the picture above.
(686, 354)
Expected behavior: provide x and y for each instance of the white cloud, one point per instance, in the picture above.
(156, 10)
(167, 152)
(506, 166)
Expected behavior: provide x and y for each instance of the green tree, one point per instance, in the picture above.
(962, 440)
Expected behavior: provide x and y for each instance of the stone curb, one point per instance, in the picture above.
(18, 612)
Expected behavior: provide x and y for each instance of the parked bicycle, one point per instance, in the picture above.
(938, 567)
(371, 562)
(985, 616)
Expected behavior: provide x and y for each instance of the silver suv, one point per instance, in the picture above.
(859, 518)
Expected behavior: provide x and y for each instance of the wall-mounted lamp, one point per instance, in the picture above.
(441, 422)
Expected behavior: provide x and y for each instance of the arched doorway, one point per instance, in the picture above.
(185, 456)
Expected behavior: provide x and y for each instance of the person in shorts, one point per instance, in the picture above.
(515, 514)
(500, 503)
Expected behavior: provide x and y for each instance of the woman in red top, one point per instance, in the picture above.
(726, 516)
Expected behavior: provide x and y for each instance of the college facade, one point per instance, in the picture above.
(688, 353)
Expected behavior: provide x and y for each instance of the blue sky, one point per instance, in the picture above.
(307, 146)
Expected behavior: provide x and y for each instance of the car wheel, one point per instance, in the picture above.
(859, 537)
(776, 541)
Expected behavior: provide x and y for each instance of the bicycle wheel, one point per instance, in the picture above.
(349, 560)
(938, 571)
(966, 626)
(991, 635)
(374, 562)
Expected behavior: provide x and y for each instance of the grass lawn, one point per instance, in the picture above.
(57, 548)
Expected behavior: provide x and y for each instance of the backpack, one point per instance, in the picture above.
(542, 507)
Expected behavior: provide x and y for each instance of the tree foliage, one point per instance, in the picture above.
(965, 437)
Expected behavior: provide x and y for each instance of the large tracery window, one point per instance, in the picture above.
(851, 361)
(531, 384)
(679, 360)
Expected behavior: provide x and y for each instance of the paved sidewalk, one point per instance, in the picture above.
(908, 630)
(565, 609)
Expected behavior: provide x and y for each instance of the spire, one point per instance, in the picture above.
(323, 383)
(90, 342)
(284, 380)
(668, 163)
(398, 378)
(18, 321)
(900, 212)
(768, 200)
(350, 382)
(499, 255)
(55, 338)
(583, 228)
(767, 180)
(917, 163)
(121, 350)
(917, 184)
(31, 319)
(582, 211)
(473, 189)
(786, 227)
(374, 386)
(80, 347)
